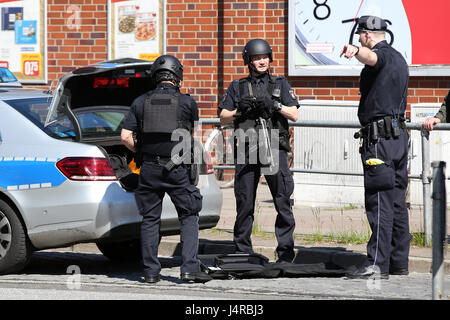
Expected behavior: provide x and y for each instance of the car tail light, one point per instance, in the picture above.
(86, 169)
(209, 165)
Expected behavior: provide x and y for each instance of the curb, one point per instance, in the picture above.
(336, 256)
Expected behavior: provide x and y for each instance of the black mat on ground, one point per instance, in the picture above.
(247, 266)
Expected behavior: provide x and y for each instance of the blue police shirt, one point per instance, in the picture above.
(383, 87)
(159, 143)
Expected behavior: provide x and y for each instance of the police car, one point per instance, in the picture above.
(66, 178)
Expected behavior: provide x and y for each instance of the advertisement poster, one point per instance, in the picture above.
(136, 29)
(319, 29)
(22, 39)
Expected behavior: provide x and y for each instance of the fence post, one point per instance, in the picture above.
(439, 227)
(426, 182)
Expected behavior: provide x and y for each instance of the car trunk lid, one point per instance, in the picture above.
(115, 82)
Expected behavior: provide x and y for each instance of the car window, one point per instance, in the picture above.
(93, 123)
(96, 124)
(36, 110)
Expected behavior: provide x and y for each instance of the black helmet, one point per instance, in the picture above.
(168, 63)
(255, 47)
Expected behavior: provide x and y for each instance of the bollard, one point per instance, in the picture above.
(439, 197)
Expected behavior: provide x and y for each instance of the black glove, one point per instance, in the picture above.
(246, 106)
(265, 107)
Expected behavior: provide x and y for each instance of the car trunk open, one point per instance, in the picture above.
(109, 85)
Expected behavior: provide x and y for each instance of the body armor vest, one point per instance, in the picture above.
(159, 120)
(161, 113)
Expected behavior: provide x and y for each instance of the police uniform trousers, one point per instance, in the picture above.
(281, 186)
(154, 182)
(385, 192)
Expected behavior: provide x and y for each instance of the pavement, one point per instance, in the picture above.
(317, 234)
(315, 229)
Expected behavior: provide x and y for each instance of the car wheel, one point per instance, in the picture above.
(129, 250)
(15, 248)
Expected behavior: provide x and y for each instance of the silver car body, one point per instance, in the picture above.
(57, 211)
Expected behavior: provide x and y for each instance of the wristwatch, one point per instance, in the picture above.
(278, 106)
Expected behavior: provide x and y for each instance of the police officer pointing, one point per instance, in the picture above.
(381, 112)
(154, 116)
(261, 95)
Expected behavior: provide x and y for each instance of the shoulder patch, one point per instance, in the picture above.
(225, 96)
(292, 93)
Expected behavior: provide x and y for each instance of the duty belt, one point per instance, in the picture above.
(383, 127)
(156, 159)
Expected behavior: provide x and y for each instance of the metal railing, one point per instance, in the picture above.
(425, 176)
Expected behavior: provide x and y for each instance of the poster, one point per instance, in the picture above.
(319, 29)
(136, 29)
(22, 39)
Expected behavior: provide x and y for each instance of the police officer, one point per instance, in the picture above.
(440, 116)
(262, 95)
(154, 116)
(384, 153)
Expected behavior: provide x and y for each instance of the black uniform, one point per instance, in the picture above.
(247, 175)
(155, 181)
(383, 102)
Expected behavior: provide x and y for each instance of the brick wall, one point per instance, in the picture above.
(208, 37)
(73, 43)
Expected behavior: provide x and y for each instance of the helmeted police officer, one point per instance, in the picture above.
(246, 101)
(154, 117)
(384, 153)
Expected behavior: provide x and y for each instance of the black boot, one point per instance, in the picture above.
(200, 277)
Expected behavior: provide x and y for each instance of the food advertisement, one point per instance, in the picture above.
(136, 29)
(319, 29)
(22, 39)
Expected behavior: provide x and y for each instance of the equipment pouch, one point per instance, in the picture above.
(388, 126)
(379, 175)
(374, 136)
(284, 142)
(381, 128)
(395, 128)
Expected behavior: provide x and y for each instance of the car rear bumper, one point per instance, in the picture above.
(89, 211)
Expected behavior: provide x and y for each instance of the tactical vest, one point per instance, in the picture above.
(159, 120)
(161, 114)
(277, 121)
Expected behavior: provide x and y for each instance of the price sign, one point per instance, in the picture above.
(149, 56)
(31, 65)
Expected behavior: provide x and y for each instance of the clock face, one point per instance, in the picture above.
(323, 27)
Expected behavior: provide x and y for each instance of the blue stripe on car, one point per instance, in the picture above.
(23, 173)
